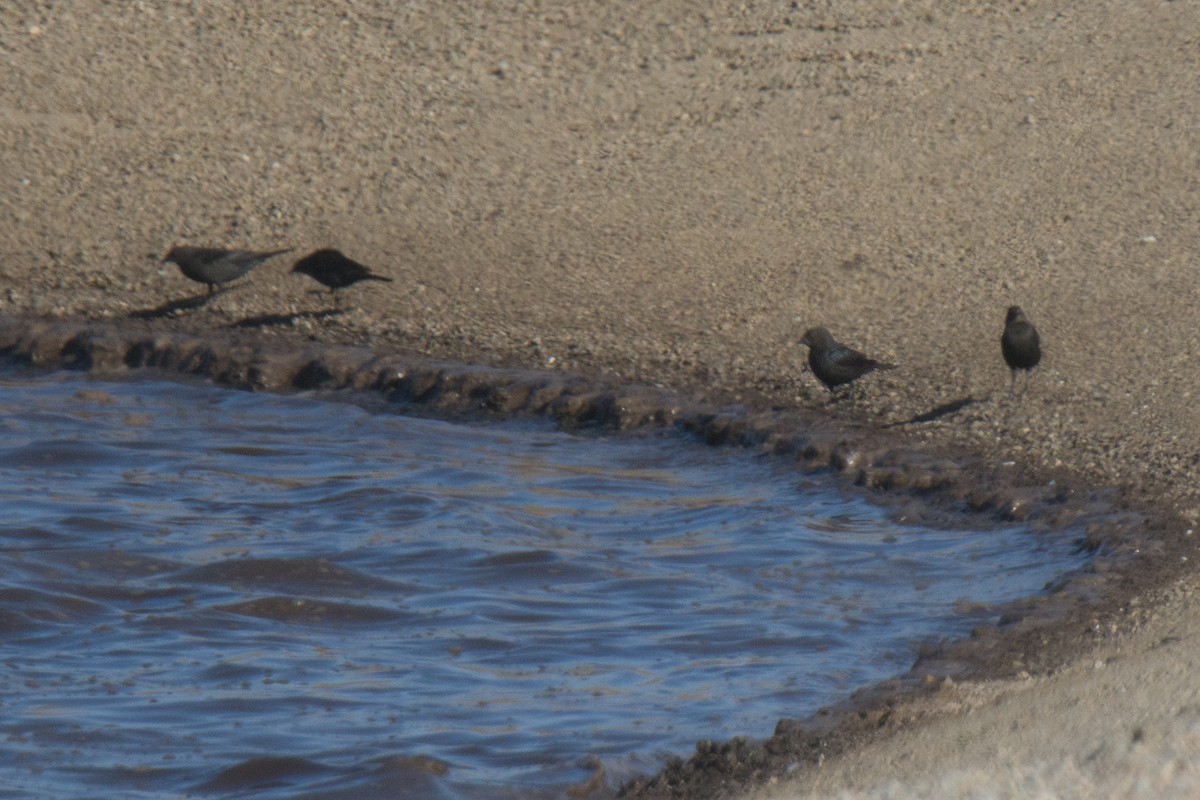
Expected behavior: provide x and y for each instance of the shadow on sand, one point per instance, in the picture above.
(260, 321)
(937, 412)
(174, 306)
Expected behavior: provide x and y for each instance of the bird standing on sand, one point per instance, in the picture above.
(216, 265)
(333, 269)
(835, 364)
(1020, 344)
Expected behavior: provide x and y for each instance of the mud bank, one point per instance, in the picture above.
(1133, 548)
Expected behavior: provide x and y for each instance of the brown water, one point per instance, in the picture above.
(206, 592)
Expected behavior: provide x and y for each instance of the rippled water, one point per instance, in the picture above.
(217, 593)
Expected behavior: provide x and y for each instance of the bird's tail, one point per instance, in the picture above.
(377, 278)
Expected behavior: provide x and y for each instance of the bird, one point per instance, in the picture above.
(216, 265)
(335, 270)
(833, 363)
(1020, 344)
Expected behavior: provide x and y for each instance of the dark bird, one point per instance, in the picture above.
(835, 364)
(334, 269)
(1020, 344)
(216, 265)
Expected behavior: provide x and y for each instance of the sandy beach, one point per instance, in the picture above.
(670, 194)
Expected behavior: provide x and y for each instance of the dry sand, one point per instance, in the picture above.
(670, 193)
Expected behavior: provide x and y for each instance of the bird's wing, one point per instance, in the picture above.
(849, 357)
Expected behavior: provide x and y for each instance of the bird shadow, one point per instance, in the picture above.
(274, 320)
(939, 411)
(174, 306)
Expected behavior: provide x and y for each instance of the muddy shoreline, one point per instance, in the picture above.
(1135, 549)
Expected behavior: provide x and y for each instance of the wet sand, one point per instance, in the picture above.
(670, 195)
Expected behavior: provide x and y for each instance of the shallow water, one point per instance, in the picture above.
(218, 593)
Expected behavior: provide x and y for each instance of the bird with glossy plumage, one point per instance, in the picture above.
(834, 363)
(335, 270)
(1020, 344)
